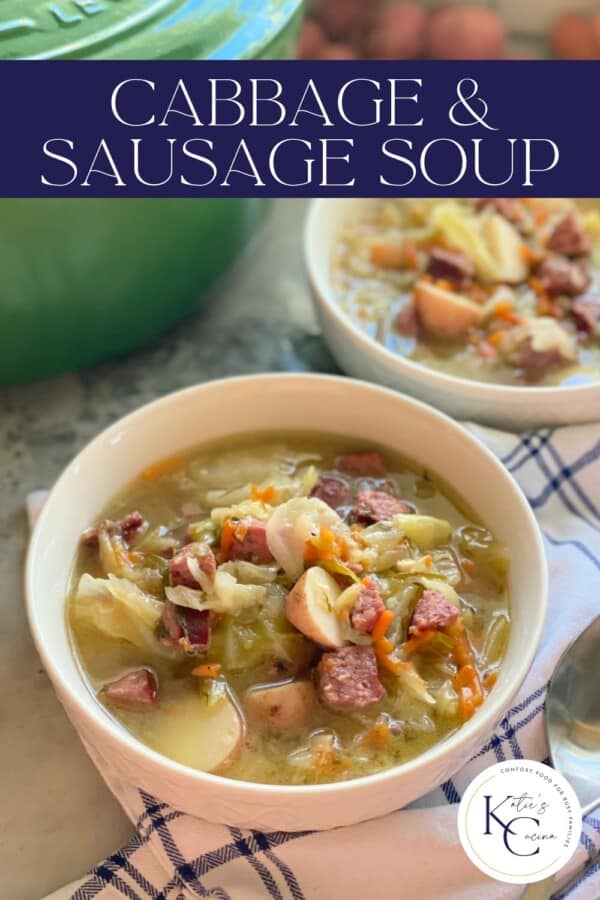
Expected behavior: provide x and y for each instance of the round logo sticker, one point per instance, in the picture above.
(519, 821)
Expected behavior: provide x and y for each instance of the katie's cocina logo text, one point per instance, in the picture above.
(518, 815)
(519, 821)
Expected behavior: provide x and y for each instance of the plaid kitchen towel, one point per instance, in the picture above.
(413, 853)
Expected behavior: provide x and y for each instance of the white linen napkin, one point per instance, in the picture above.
(413, 853)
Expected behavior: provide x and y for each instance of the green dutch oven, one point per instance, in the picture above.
(86, 279)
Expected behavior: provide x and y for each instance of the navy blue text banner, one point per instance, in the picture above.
(301, 129)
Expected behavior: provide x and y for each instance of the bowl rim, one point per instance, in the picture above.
(480, 390)
(93, 712)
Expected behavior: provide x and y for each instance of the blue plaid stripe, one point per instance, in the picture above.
(556, 485)
(567, 473)
(534, 452)
(259, 867)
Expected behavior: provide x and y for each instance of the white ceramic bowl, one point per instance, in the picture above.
(359, 355)
(264, 403)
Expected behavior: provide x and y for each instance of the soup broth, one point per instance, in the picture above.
(289, 609)
(500, 290)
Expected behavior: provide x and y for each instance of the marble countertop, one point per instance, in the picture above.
(58, 818)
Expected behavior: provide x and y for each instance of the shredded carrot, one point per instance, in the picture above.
(463, 653)
(207, 670)
(388, 256)
(157, 470)
(390, 662)
(382, 645)
(468, 565)
(537, 286)
(466, 705)
(466, 682)
(264, 495)
(382, 624)
(378, 735)
(419, 640)
(325, 545)
(527, 254)
(489, 681)
(134, 557)
(227, 533)
(503, 308)
(468, 687)
(477, 293)
(496, 337)
(444, 284)
(410, 254)
(506, 312)
(465, 677)
(548, 306)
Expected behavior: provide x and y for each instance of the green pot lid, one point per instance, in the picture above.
(140, 29)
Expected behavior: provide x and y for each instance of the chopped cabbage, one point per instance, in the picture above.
(545, 334)
(426, 532)
(290, 527)
(115, 560)
(226, 596)
(250, 573)
(446, 700)
(252, 508)
(119, 609)
(462, 231)
(414, 684)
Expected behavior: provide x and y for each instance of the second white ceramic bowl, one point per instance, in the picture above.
(505, 406)
(285, 403)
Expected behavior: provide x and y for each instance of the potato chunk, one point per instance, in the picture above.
(505, 245)
(282, 707)
(310, 607)
(204, 737)
(445, 314)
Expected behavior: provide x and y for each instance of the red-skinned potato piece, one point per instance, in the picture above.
(309, 607)
(573, 37)
(398, 32)
(311, 41)
(283, 707)
(337, 50)
(443, 313)
(206, 737)
(344, 18)
(465, 32)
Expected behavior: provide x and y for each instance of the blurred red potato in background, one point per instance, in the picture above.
(312, 40)
(401, 29)
(343, 18)
(337, 50)
(398, 32)
(465, 32)
(575, 36)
